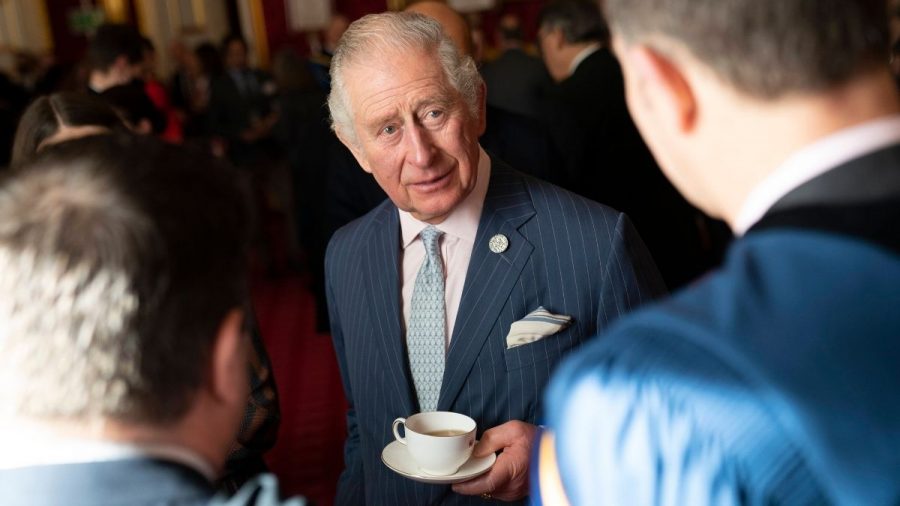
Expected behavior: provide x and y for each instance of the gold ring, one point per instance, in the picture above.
(486, 495)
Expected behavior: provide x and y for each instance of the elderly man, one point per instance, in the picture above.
(123, 363)
(487, 246)
(774, 381)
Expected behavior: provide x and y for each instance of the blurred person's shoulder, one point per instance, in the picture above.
(262, 490)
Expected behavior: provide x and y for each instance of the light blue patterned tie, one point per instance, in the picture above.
(425, 335)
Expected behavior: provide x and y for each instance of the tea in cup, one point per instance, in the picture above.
(438, 441)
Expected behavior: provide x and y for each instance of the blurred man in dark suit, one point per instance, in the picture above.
(602, 154)
(240, 105)
(774, 380)
(515, 80)
(115, 55)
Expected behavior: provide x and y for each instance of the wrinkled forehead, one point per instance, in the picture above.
(381, 49)
(393, 67)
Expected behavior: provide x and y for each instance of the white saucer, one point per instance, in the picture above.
(396, 457)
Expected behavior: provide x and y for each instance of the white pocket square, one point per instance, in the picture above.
(537, 325)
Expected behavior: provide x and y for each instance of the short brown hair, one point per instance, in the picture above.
(111, 41)
(119, 258)
(46, 115)
(766, 48)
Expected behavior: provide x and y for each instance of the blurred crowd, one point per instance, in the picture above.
(556, 110)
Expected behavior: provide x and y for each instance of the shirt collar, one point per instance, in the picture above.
(463, 220)
(814, 160)
(580, 57)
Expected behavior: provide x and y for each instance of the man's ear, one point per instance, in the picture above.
(660, 85)
(556, 39)
(354, 149)
(228, 381)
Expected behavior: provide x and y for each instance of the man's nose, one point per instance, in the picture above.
(421, 146)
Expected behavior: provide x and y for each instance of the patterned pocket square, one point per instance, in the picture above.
(539, 324)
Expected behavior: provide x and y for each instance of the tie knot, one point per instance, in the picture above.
(430, 236)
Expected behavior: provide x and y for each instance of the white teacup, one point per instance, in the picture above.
(439, 441)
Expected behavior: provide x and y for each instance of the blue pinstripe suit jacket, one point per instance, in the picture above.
(565, 253)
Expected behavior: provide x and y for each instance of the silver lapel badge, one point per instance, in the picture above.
(498, 243)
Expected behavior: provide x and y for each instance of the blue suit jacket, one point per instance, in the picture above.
(774, 381)
(565, 253)
(131, 482)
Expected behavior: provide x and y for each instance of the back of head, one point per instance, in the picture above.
(112, 41)
(510, 29)
(337, 25)
(210, 59)
(119, 258)
(579, 20)
(48, 114)
(765, 48)
(453, 23)
(232, 38)
(392, 33)
(291, 73)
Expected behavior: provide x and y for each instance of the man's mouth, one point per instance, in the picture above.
(433, 184)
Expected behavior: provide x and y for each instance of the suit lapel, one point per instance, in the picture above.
(382, 268)
(869, 178)
(490, 277)
(859, 199)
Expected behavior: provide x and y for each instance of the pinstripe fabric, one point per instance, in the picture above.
(567, 254)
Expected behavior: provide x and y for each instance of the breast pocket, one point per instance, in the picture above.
(549, 349)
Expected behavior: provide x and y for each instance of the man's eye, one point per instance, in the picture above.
(389, 130)
(435, 114)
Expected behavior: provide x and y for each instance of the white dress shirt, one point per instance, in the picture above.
(814, 160)
(459, 229)
(581, 56)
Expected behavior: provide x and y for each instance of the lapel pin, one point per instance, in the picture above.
(498, 243)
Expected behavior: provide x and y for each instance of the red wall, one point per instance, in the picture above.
(278, 34)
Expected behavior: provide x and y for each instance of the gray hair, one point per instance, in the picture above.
(765, 48)
(397, 31)
(53, 305)
(119, 258)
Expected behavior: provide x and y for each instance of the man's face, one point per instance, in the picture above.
(550, 43)
(235, 55)
(415, 134)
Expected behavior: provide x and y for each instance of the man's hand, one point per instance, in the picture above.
(508, 479)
